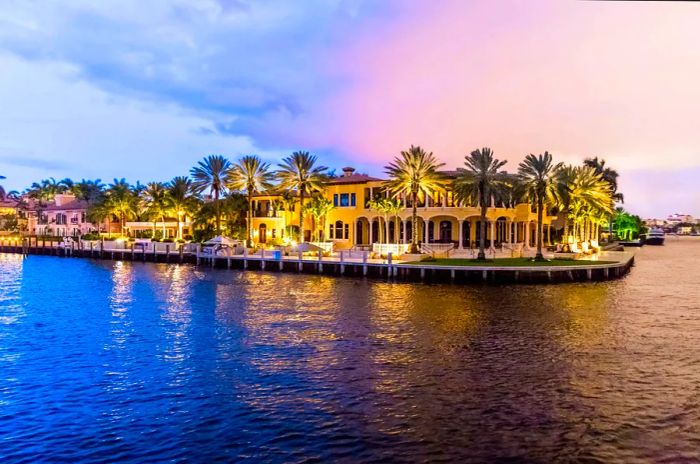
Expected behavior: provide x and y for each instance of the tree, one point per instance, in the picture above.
(2, 189)
(319, 207)
(250, 175)
(538, 174)
(121, 201)
(413, 173)
(377, 204)
(393, 207)
(87, 190)
(181, 200)
(212, 173)
(299, 172)
(480, 181)
(156, 202)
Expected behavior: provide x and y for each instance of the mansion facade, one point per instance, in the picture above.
(441, 219)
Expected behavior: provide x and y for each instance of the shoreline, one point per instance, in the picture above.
(397, 271)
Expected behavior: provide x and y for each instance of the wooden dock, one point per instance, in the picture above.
(338, 266)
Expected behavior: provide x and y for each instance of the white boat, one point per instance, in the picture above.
(655, 236)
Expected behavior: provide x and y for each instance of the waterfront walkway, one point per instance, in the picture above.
(607, 265)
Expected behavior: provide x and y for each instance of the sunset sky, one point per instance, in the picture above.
(143, 90)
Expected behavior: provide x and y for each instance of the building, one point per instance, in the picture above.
(441, 220)
(63, 216)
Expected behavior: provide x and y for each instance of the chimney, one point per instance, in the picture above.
(348, 171)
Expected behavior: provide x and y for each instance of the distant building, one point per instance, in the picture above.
(63, 216)
(680, 218)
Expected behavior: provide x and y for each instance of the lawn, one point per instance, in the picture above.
(514, 262)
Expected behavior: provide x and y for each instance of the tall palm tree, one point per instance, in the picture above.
(156, 202)
(393, 207)
(479, 183)
(413, 173)
(121, 201)
(181, 200)
(538, 174)
(377, 204)
(250, 175)
(87, 190)
(299, 172)
(564, 191)
(212, 173)
(318, 207)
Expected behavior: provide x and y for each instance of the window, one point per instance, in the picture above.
(344, 199)
(331, 233)
(338, 230)
(335, 200)
(353, 199)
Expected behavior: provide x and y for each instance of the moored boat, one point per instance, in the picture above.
(655, 237)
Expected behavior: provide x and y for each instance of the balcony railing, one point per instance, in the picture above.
(267, 214)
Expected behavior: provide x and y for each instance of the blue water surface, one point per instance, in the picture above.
(105, 361)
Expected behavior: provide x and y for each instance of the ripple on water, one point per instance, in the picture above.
(109, 361)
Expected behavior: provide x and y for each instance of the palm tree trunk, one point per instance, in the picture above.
(414, 223)
(217, 212)
(482, 225)
(386, 223)
(540, 207)
(566, 223)
(301, 215)
(250, 219)
(397, 229)
(179, 230)
(162, 218)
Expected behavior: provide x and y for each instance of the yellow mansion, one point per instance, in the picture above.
(351, 223)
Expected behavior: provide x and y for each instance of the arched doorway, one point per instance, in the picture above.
(445, 232)
(262, 233)
(466, 233)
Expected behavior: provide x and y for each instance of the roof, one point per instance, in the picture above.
(69, 205)
(352, 179)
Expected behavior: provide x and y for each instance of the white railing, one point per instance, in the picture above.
(396, 249)
(437, 249)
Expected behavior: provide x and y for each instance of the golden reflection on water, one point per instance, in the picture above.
(11, 269)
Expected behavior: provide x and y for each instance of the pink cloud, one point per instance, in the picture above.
(614, 79)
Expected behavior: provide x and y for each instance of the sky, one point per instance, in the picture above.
(143, 90)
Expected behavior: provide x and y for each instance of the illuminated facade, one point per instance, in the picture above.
(440, 218)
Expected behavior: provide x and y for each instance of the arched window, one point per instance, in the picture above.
(339, 229)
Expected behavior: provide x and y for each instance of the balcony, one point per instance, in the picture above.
(267, 214)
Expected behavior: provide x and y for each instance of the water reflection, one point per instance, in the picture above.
(288, 367)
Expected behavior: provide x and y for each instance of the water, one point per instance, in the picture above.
(110, 361)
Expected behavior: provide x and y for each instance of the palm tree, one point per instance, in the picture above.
(212, 173)
(413, 173)
(318, 207)
(87, 190)
(156, 202)
(252, 176)
(2, 189)
(377, 204)
(299, 172)
(563, 189)
(480, 181)
(393, 207)
(538, 174)
(181, 200)
(121, 201)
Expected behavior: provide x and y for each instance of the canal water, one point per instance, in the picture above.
(106, 361)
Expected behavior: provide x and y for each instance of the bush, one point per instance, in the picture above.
(188, 237)
(428, 259)
(168, 240)
(91, 236)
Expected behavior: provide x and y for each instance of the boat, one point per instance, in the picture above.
(655, 236)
